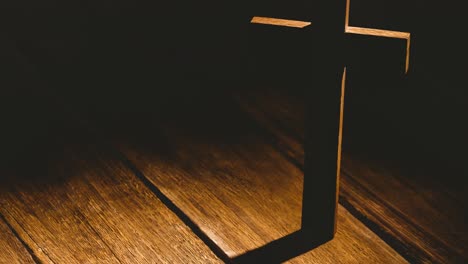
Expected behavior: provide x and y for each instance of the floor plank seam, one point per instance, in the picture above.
(23, 243)
(174, 208)
(87, 126)
(380, 232)
(387, 205)
(392, 240)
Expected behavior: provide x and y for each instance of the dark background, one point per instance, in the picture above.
(106, 57)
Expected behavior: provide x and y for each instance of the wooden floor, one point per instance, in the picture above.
(196, 188)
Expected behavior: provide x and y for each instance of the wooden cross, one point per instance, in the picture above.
(323, 141)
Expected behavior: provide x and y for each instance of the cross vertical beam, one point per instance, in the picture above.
(323, 125)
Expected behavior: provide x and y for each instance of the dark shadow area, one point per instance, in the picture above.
(32, 124)
(282, 250)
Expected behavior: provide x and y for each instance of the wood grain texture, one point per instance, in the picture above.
(280, 22)
(12, 251)
(87, 207)
(220, 169)
(413, 208)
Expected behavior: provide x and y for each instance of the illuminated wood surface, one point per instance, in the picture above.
(222, 174)
(227, 177)
(90, 208)
(12, 251)
(280, 22)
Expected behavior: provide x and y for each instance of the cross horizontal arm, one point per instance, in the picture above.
(378, 32)
(280, 22)
(383, 33)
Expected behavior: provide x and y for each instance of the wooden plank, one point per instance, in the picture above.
(12, 249)
(411, 220)
(87, 206)
(220, 170)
